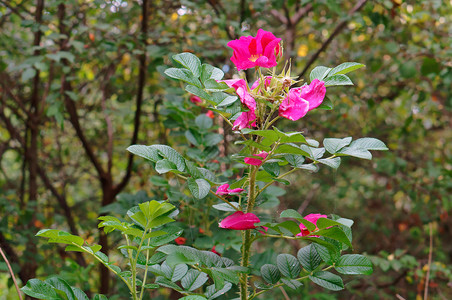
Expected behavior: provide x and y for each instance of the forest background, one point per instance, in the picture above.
(80, 81)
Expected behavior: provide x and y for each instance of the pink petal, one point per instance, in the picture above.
(294, 107)
(240, 221)
(313, 219)
(268, 79)
(244, 120)
(234, 191)
(314, 93)
(249, 51)
(222, 189)
(256, 161)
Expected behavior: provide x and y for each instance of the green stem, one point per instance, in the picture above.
(145, 270)
(281, 284)
(224, 200)
(246, 235)
(133, 288)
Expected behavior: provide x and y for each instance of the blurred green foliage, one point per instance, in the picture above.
(403, 97)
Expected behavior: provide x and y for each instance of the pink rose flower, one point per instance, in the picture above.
(256, 161)
(223, 190)
(314, 93)
(244, 120)
(195, 99)
(242, 91)
(268, 80)
(294, 107)
(240, 221)
(301, 100)
(260, 51)
(313, 219)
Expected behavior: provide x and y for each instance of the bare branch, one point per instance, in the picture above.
(336, 31)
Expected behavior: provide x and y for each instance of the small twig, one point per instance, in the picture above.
(430, 252)
(399, 297)
(12, 273)
(284, 293)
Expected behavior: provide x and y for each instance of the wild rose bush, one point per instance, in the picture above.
(156, 250)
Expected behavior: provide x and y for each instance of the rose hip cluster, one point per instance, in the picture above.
(270, 91)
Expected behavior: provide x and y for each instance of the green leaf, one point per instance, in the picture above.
(319, 73)
(61, 285)
(354, 264)
(210, 72)
(193, 280)
(291, 213)
(226, 207)
(184, 75)
(173, 233)
(328, 251)
(227, 274)
(198, 92)
(326, 104)
(325, 223)
(270, 273)
(295, 160)
(172, 155)
(40, 290)
(58, 236)
(334, 233)
(338, 80)
(212, 139)
(79, 294)
(269, 134)
(288, 265)
(212, 85)
(327, 280)
(309, 258)
(333, 145)
(272, 168)
(28, 74)
(203, 122)
(212, 292)
(345, 68)
(291, 283)
(331, 162)
(369, 144)
(290, 137)
(190, 62)
(164, 166)
(198, 187)
(430, 65)
(147, 152)
(100, 297)
(291, 149)
(291, 226)
(176, 273)
(159, 221)
(167, 283)
(193, 297)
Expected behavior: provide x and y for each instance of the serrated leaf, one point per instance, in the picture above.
(40, 290)
(345, 68)
(167, 283)
(176, 273)
(213, 293)
(79, 294)
(334, 233)
(164, 166)
(319, 72)
(198, 187)
(354, 264)
(327, 280)
(172, 155)
(270, 273)
(226, 207)
(147, 152)
(61, 285)
(291, 283)
(184, 75)
(331, 162)
(333, 145)
(193, 280)
(369, 144)
(338, 80)
(198, 92)
(295, 160)
(189, 61)
(288, 265)
(210, 72)
(309, 258)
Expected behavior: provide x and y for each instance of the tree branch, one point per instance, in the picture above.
(336, 31)
(140, 92)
